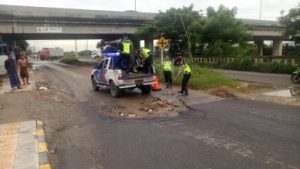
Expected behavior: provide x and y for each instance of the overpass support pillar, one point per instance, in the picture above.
(149, 44)
(277, 48)
(259, 47)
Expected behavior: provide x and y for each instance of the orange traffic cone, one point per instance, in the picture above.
(155, 86)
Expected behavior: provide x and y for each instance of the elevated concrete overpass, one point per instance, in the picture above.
(33, 23)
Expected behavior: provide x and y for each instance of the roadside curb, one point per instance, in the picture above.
(42, 146)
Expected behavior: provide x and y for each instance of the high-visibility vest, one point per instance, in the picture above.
(187, 69)
(167, 66)
(146, 52)
(126, 46)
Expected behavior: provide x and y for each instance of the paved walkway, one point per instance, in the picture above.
(22, 146)
(6, 88)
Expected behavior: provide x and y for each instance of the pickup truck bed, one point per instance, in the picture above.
(117, 80)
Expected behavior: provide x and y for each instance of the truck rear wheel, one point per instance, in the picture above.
(94, 84)
(114, 90)
(146, 89)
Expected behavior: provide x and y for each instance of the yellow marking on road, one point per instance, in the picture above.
(8, 144)
(43, 147)
(39, 122)
(45, 166)
(40, 132)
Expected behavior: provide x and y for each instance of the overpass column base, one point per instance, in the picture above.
(259, 47)
(277, 48)
(149, 44)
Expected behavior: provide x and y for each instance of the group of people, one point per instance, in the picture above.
(130, 60)
(13, 66)
(142, 59)
(184, 69)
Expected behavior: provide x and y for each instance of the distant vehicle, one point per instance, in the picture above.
(106, 73)
(296, 76)
(50, 53)
(96, 54)
(3, 57)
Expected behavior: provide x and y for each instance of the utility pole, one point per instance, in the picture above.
(76, 54)
(135, 5)
(260, 10)
(87, 44)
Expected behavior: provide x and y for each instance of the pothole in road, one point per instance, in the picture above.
(291, 92)
(143, 106)
(269, 93)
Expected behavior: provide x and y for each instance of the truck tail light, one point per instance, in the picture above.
(120, 77)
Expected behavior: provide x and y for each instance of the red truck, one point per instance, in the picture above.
(50, 53)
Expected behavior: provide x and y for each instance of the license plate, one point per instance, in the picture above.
(139, 81)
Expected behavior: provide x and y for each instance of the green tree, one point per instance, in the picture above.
(291, 21)
(218, 33)
(222, 30)
(85, 53)
(22, 44)
(178, 25)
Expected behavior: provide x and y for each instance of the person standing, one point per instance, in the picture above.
(127, 60)
(186, 70)
(167, 68)
(147, 59)
(10, 66)
(23, 65)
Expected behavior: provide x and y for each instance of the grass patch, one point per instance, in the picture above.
(69, 59)
(202, 77)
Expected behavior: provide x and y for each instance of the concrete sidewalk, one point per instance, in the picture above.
(6, 88)
(23, 146)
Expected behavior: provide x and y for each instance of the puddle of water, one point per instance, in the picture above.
(34, 66)
(280, 93)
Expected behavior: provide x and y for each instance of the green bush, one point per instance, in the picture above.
(250, 65)
(69, 59)
(202, 77)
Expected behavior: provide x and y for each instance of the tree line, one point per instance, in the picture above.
(219, 33)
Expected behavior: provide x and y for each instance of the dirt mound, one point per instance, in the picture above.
(223, 92)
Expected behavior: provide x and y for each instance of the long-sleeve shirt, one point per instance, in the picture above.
(10, 66)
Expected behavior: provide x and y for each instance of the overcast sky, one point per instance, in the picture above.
(248, 9)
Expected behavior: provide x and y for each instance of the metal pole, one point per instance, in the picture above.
(161, 61)
(260, 11)
(87, 44)
(135, 5)
(76, 48)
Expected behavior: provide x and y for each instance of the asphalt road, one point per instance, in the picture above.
(267, 78)
(224, 134)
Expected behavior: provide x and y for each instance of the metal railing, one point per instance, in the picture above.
(263, 59)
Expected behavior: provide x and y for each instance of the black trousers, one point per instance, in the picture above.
(127, 62)
(148, 65)
(168, 77)
(185, 80)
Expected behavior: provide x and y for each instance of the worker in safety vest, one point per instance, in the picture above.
(147, 60)
(186, 70)
(127, 59)
(167, 68)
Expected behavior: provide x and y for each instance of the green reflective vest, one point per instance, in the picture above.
(146, 52)
(126, 46)
(187, 69)
(167, 66)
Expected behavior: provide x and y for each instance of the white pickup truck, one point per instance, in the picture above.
(106, 74)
